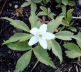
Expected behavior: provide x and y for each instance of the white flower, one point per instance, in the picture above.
(40, 35)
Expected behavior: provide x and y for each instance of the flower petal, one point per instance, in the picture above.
(43, 28)
(43, 43)
(34, 31)
(49, 36)
(33, 40)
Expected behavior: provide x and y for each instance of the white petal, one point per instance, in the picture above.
(49, 36)
(33, 40)
(43, 43)
(43, 28)
(34, 31)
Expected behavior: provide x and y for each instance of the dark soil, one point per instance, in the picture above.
(8, 58)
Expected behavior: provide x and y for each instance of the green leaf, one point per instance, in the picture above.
(45, 1)
(63, 10)
(69, 15)
(58, 1)
(43, 56)
(65, 2)
(23, 62)
(49, 10)
(46, 12)
(19, 46)
(18, 37)
(26, 4)
(38, 24)
(78, 39)
(66, 22)
(33, 8)
(41, 13)
(49, 44)
(54, 24)
(64, 35)
(18, 24)
(73, 50)
(44, 9)
(34, 21)
(51, 15)
(73, 54)
(71, 47)
(36, 1)
(71, 3)
(56, 49)
(33, 18)
(72, 29)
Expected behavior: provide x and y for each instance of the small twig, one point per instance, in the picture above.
(76, 17)
(76, 63)
(77, 69)
(63, 67)
(3, 6)
(34, 66)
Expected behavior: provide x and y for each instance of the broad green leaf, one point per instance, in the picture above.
(51, 15)
(45, 1)
(63, 10)
(18, 37)
(36, 1)
(38, 24)
(43, 56)
(71, 47)
(49, 44)
(41, 13)
(69, 15)
(58, 1)
(33, 18)
(56, 49)
(72, 29)
(66, 22)
(34, 21)
(54, 24)
(33, 8)
(73, 54)
(18, 24)
(78, 39)
(46, 12)
(49, 10)
(65, 2)
(26, 4)
(71, 3)
(44, 9)
(23, 62)
(73, 50)
(19, 46)
(64, 35)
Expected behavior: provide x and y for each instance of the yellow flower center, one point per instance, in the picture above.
(40, 35)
